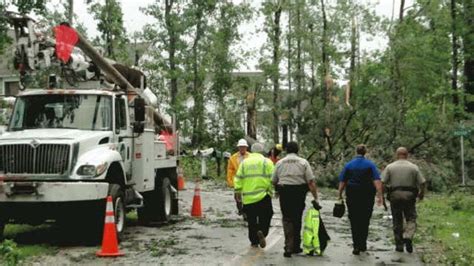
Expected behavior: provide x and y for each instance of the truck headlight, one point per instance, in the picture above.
(92, 170)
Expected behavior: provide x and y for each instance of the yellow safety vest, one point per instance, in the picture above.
(311, 233)
(254, 178)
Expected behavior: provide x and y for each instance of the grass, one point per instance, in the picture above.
(446, 229)
(192, 168)
(12, 253)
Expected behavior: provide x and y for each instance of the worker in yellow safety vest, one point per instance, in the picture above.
(235, 160)
(233, 166)
(253, 187)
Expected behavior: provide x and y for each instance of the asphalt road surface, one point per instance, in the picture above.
(220, 238)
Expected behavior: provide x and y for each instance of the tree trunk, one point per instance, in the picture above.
(198, 110)
(171, 52)
(70, 10)
(252, 113)
(352, 70)
(455, 47)
(325, 63)
(402, 10)
(108, 35)
(276, 71)
(289, 47)
(299, 64)
(468, 42)
(313, 63)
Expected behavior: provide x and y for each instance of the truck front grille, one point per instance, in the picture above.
(51, 159)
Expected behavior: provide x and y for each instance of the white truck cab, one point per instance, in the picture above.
(65, 151)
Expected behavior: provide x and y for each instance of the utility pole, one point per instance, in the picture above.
(70, 16)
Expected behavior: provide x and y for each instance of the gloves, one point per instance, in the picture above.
(316, 205)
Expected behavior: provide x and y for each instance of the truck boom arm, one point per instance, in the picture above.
(34, 53)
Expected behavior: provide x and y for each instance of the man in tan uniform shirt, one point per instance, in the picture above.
(293, 178)
(405, 183)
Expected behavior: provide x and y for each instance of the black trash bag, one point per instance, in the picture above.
(339, 209)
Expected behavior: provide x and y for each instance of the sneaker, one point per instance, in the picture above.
(409, 245)
(261, 239)
(287, 254)
(356, 251)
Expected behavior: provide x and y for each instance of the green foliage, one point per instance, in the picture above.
(199, 34)
(3, 106)
(4, 39)
(110, 24)
(446, 228)
(26, 6)
(9, 252)
(192, 168)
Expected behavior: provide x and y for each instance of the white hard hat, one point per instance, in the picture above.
(242, 143)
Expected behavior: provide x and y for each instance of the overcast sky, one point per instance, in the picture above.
(252, 39)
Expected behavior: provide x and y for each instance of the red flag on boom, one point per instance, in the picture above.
(66, 39)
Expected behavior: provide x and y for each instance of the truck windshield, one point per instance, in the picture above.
(86, 112)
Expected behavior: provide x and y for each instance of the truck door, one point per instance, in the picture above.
(123, 132)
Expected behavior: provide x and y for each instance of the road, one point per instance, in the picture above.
(220, 238)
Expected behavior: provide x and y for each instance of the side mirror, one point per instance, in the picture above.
(139, 108)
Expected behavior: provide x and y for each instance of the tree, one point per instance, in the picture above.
(197, 15)
(468, 51)
(4, 39)
(224, 91)
(110, 24)
(165, 62)
(272, 11)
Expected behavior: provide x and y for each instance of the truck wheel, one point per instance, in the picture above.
(119, 208)
(2, 230)
(158, 203)
(165, 201)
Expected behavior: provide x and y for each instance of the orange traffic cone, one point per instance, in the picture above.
(196, 209)
(109, 240)
(181, 182)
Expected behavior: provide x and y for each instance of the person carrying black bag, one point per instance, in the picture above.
(292, 179)
(361, 179)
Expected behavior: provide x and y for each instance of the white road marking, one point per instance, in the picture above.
(250, 255)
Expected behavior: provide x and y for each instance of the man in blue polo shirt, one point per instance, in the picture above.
(361, 179)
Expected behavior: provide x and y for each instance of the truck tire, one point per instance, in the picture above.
(158, 203)
(119, 208)
(165, 201)
(2, 229)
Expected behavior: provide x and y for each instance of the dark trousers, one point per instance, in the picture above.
(403, 206)
(292, 198)
(360, 204)
(259, 216)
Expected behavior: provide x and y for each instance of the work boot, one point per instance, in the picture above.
(399, 248)
(261, 239)
(297, 251)
(408, 245)
(356, 251)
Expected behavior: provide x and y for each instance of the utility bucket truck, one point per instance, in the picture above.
(89, 133)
